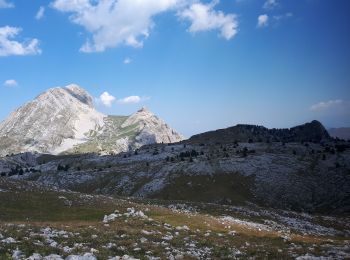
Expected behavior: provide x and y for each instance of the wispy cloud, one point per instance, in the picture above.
(270, 4)
(127, 60)
(283, 16)
(326, 105)
(40, 14)
(263, 20)
(10, 83)
(9, 47)
(5, 4)
(132, 100)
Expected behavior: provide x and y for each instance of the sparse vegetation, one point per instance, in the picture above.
(72, 224)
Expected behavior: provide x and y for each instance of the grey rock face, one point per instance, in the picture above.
(64, 119)
(53, 121)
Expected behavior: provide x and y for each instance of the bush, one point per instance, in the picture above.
(245, 152)
(193, 153)
(340, 148)
(62, 168)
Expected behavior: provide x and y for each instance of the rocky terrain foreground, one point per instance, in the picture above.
(37, 222)
(189, 201)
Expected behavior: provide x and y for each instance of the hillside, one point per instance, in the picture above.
(309, 132)
(305, 177)
(70, 225)
(187, 200)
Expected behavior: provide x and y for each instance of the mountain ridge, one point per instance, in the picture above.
(313, 131)
(62, 118)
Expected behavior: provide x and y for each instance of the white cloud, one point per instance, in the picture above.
(124, 22)
(263, 20)
(10, 47)
(40, 13)
(130, 100)
(114, 22)
(106, 99)
(127, 61)
(10, 83)
(5, 4)
(270, 4)
(325, 105)
(203, 17)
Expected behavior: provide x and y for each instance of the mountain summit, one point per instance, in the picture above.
(64, 119)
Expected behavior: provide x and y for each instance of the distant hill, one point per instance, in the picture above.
(342, 132)
(309, 132)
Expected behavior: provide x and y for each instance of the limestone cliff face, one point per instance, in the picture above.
(63, 119)
(126, 133)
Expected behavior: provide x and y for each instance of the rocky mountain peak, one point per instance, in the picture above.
(80, 94)
(56, 120)
(144, 110)
(63, 119)
(68, 95)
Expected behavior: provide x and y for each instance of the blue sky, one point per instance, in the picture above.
(199, 65)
